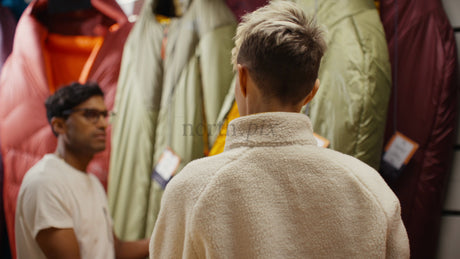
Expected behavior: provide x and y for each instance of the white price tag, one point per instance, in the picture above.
(168, 164)
(399, 150)
(166, 167)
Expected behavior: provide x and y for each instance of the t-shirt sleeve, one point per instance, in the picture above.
(44, 205)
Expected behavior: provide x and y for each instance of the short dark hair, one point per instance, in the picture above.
(282, 49)
(69, 96)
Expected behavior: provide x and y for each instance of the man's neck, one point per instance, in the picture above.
(271, 106)
(79, 162)
(258, 102)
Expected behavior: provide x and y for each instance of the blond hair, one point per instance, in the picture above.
(282, 49)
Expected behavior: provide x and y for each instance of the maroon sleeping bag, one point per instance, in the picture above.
(241, 7)
(423, 107)
(7, 28)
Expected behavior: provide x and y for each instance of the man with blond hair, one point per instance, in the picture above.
(273, 193)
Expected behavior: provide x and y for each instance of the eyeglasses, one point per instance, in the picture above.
(92, 115)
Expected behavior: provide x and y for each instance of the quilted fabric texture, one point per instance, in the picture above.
(423, 108)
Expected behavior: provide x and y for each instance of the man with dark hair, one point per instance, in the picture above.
(62, 211)
(59, 104)
(273, 193)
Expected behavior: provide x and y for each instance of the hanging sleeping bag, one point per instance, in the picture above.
(423, 108)
(7, 28)
(350, 106)
(242, 7)
(175, 75)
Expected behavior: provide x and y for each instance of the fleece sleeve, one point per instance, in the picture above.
(397, 241)
(171, 236)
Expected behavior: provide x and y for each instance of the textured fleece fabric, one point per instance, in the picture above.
(274, 194)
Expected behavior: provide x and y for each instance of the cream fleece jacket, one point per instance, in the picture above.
(274, 194)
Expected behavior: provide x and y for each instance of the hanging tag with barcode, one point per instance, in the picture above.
(399, 150)
(166, 167)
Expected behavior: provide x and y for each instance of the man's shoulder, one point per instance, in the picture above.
(365, 176)
(331, 158)
(199, 173)
(207, 166)
(41, 174)
(36, 170)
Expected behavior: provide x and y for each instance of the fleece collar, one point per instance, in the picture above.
(270, 129)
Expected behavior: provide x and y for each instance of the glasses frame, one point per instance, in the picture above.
(87, 111)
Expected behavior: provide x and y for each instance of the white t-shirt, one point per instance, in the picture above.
(54, 194)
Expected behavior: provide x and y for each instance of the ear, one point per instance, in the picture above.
(243, 79)
(58, 125)
(312, 93)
